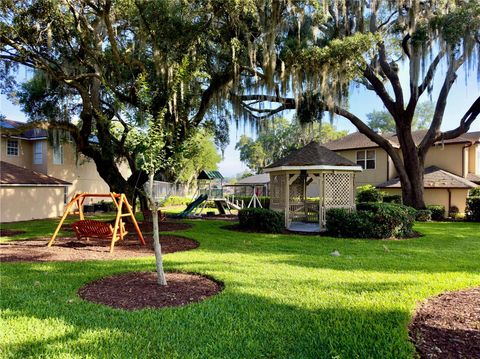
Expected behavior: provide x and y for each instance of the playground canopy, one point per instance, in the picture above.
(312, 165)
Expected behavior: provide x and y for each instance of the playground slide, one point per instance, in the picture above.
(198, 201)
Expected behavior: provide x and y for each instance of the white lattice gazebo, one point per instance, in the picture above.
(307, 183)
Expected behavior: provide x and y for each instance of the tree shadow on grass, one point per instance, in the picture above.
(232, 324)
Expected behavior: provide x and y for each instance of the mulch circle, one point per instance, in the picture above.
(10, 232)
(448, 325)
(138, 290)
(71, 249)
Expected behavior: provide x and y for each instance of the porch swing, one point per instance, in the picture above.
(98, 229)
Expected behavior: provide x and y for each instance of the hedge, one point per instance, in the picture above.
(261, 219)
(264, 200)
(423, 215)
(372, 220)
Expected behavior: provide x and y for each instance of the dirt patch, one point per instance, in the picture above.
(139, 290)
(10, 232)
(71, 249)
(448, 326)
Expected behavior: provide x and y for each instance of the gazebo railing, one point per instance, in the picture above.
(304, 212)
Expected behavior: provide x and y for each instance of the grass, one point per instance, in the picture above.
(284, 296)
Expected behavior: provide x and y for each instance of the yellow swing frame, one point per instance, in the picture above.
(120, 201)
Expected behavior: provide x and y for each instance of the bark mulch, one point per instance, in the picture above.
(71, 249)
(448, 326)
(138, 290)
(10, 232)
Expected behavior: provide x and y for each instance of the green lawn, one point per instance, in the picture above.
(284, 296)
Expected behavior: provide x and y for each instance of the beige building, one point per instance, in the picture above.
(452, 167)
(31, 150)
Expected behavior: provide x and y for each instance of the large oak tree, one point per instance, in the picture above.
(325, 46)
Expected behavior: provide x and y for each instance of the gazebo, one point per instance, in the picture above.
(316, 170)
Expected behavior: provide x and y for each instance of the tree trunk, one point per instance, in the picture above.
(161, 280)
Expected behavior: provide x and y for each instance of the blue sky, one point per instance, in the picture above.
(464, 92)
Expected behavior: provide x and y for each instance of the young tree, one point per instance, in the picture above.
(327, 47)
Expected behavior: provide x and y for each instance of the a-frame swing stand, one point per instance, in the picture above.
(102, 229)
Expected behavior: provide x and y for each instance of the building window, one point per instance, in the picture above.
(38, 153)
(12, 147)
(58, 154)
(366, 159)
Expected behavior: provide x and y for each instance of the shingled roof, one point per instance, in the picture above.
(14, 175)
(435, 177)
(312, 154)
(359, 140)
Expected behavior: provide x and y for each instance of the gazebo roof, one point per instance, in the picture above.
(313, 156)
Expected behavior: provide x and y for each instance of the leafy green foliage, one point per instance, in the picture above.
(261, 220)
(423, 215)
(438, 212)
(264, 200)
(474, 192)
(368, 193)
(280, 139)
(383, 121)
(392, 198)
(473, 209)
(371, 220)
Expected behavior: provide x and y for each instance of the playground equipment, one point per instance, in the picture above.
(98, 229)
(211, 188)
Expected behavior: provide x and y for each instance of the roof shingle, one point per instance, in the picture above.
(312, 154)
(14, 175)
(434, 177)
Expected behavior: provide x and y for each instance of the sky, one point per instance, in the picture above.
(464, 92)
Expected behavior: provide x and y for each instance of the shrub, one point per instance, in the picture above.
(261, 219)
(474, 192)
(438, 212)
(423, 215)
(368, 193)
(453, 211)
(392, 198)
(472, 212)
(372, 220)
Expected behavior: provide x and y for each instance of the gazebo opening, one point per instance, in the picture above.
(307, 183)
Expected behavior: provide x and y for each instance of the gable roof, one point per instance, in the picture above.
(14, 175)
(434, 177)
(312, 154)
(31, 134)
(209, 175)
(358, 140)
(262, 178)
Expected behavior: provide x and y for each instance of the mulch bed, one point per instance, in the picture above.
(10, 232)
(71, 249)
(140, 290)
(448, 326)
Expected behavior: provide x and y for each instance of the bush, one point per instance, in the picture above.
(453, 211)
(423, 215)
(474, 192)
(372, 220)
(438, 212)
(392, 198)
(368, 193)
(472, 212)
(261, 219)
